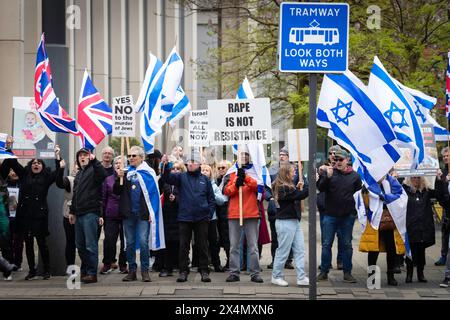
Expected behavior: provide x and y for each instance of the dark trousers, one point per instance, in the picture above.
(213, 242)
(224, 236)
(274, 242)
(17, 243)
(70, 242)
(169, 255)
(418, 256)
(113, 229)
(445, 236)
(388, 238)
(43, 251)
(200, 229)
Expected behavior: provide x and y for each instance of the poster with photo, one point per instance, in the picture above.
(430, 163)
(13, 201)
(32, 138)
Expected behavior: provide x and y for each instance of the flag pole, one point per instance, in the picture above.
(299, 159)
(121, 157)
(241, 218)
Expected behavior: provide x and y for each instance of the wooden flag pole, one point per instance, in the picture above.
(241, 216)
(128, 145)
(299, 159)
(121, 156)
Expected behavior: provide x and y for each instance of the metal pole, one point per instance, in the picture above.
(312, 186)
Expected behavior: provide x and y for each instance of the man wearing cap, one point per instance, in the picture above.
(251, 215)
(196, 207)
(86, 211)
(339, 184)
(321, 205)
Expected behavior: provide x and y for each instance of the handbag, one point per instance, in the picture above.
(386, 222)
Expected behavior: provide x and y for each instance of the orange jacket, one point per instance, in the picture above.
(249, 200)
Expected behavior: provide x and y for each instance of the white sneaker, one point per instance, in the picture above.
(303, 282)
(280, 282)
(9, 278)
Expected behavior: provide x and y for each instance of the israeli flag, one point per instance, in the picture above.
(352, 118)
(181, 107)
(396, 201)
(395, 107)
(3, 153)
(422, 105)
(157, 97)
(256, 150)
(149, 185)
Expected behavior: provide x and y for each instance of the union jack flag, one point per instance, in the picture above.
(94, 115)
(54, 117)
(447, 89)
(42, 64)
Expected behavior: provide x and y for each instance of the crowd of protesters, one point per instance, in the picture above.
(207, 207)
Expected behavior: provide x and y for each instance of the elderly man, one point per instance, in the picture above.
(140, 207)
(196, 208)
(107, 160)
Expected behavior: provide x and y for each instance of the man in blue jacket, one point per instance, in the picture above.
(196, 208)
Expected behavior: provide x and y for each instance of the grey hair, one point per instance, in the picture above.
(110, 149)
(445, 150)
(139, 151)
(119, 158)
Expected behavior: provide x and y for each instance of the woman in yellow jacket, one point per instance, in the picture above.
(380, 210)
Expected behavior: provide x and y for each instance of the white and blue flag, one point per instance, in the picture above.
(394, 106)
(396, 201)
(149, 186)
(352, 118)
(3, 153)
(256, 150)
(422, 105)
(157, 97)
(181, 107)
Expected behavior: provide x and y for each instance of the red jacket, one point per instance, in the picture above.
(249, 200)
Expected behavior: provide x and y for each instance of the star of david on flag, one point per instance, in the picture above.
(348, 111)
(391, 115)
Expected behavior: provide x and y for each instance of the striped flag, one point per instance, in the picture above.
(3, 153)
(94, 115)
(181, 107)
(51, 113)
(158, 96)
(42, 64)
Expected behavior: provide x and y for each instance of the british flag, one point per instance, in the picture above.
(447, 88)
(42, 64)
(52, 114)
(94, 115)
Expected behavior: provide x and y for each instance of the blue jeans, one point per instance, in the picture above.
(331, 225)
(339, 237)
(86, 240)
(135, 227)
(289, 235)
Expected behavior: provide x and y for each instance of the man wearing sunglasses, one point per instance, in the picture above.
(339, 184)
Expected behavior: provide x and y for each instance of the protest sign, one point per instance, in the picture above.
(298, 144)
(124, 119)
(198, 128)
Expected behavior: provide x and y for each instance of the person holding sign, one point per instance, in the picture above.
(251, 215)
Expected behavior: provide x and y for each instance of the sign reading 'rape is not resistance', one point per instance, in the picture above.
(239, 121)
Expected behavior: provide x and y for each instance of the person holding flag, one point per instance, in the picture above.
(140, 207)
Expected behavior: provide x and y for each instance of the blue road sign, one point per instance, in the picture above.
(313, 37)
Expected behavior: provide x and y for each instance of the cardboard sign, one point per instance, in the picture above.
(124, 118)
(13, 201)
(32, 138)
(430, 163)
(239, 121)
(198, 129)
(298, 139)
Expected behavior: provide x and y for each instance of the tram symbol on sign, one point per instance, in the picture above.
(314, 35)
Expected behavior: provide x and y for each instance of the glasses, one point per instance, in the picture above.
(176, 168)
(132, 155)
(221, 168)
(338, 159)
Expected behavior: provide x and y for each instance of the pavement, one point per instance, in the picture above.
(111, 286)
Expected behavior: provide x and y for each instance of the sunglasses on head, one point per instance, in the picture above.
(338, 159)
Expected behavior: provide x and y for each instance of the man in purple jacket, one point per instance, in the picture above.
(113, 225)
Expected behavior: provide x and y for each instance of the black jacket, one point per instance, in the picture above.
(222, 210)
(289, 202)
(170, 213)
(339, 190)
(32, 210)
(124, 191)
(419, 217)
(443, 196)
(196, 195)
(87, 189)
